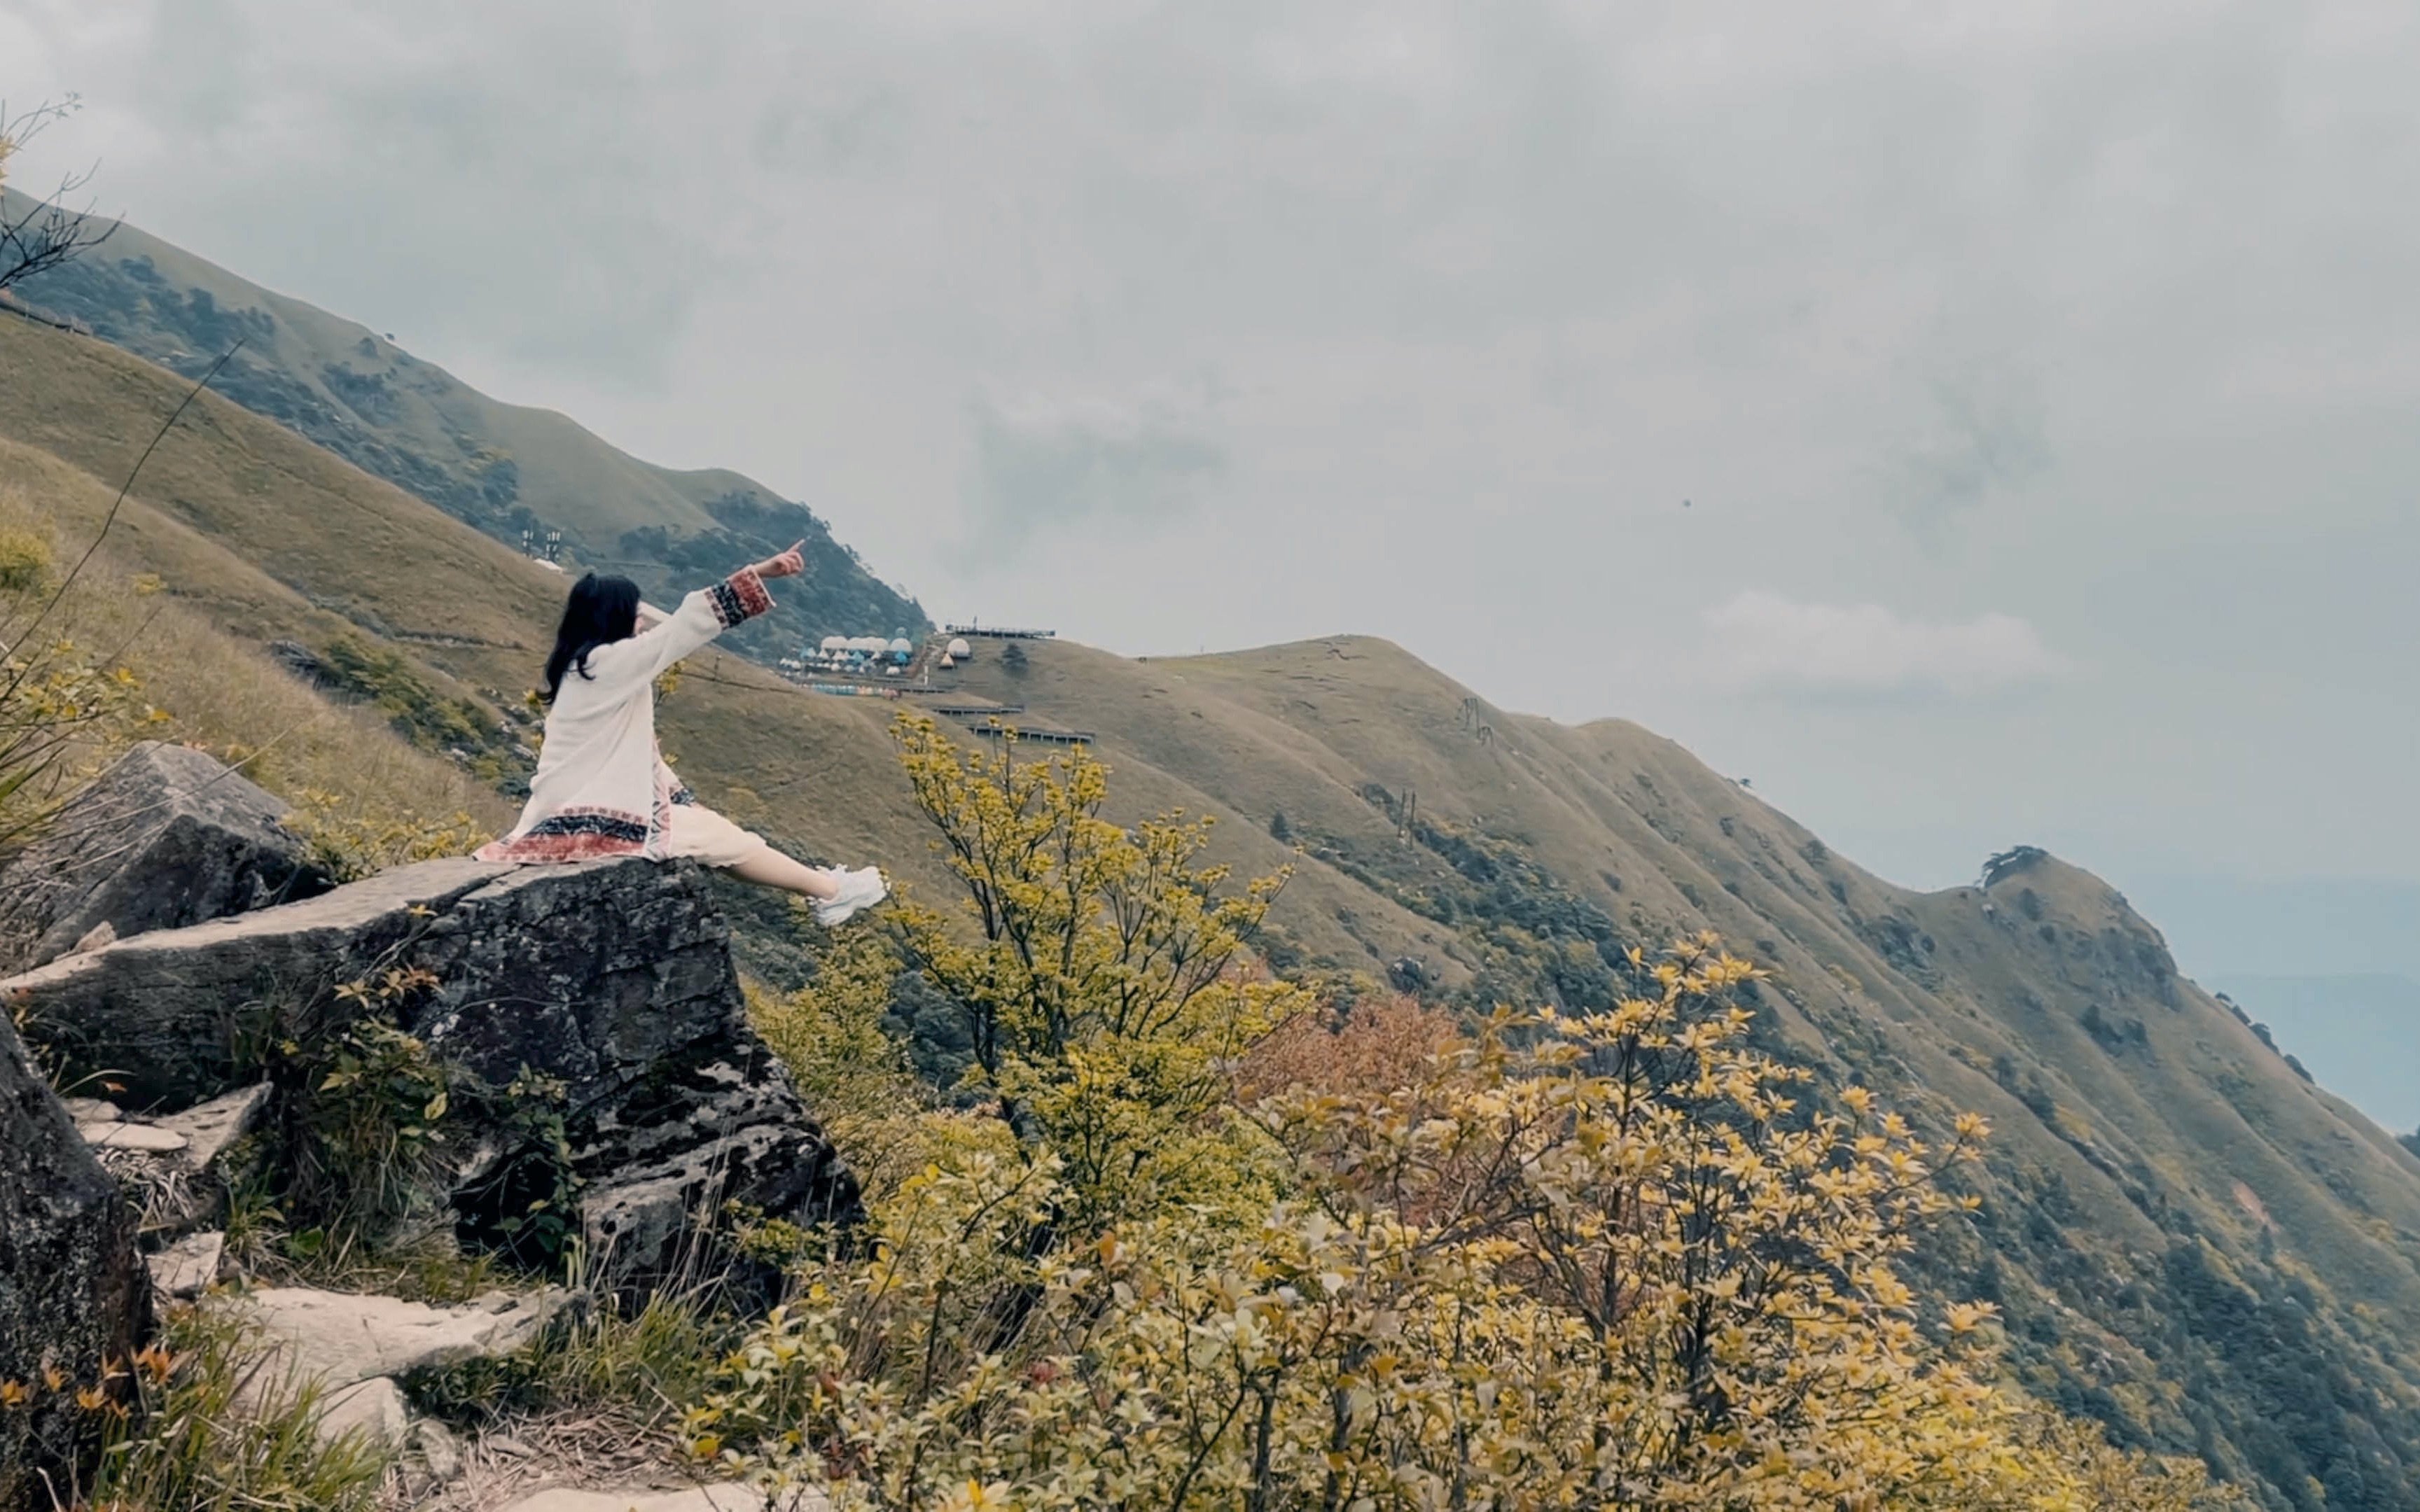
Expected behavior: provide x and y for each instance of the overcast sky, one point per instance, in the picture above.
(1976, 424)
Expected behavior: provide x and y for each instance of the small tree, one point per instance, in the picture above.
(42, 234)
(1103, 972)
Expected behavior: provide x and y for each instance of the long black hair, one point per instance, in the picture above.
(600, 612)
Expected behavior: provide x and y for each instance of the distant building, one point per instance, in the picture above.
(1002, 632)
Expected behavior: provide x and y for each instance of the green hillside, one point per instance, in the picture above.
(504, 468)
(2191, 1242)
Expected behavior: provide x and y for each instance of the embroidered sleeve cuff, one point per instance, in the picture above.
(739, 597)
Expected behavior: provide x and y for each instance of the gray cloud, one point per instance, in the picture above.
(1041, 466)
(863, 132)
(1984, 436)
(1767, 642)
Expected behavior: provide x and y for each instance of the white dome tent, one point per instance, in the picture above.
(958, 649)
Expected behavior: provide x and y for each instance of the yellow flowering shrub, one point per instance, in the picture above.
(1104, 974)
(1614, 1259)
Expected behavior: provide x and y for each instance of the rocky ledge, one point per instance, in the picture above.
(611, 980)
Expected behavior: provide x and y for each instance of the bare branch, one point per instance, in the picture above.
(47, 233)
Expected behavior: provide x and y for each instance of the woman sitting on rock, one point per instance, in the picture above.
(602, 789)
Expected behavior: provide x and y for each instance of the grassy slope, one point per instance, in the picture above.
(499, 467)
(214, 687)
(2191, 1239)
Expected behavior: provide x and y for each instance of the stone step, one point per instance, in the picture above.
(189, 1267)
(143, 1137)
(341, 1337)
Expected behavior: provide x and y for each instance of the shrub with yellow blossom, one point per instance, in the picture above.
(1103, 972)
(1612, 1259)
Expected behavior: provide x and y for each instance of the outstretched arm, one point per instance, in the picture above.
(701, 616)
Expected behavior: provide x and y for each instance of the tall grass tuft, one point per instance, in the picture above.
(206, 1431)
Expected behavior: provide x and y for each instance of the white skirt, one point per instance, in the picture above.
(701, 834)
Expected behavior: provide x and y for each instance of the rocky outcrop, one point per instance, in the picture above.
(74, 1292)
(166, 837)
(612, 979)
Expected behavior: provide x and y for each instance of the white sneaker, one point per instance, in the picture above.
(859, 890)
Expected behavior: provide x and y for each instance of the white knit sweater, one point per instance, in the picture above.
(601, 789)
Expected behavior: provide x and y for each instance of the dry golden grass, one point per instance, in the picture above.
(221, 694)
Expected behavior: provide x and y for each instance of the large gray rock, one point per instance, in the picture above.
(74, 1292)
(613, 977)
(167, 837)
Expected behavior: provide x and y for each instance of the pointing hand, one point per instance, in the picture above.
(789, 563)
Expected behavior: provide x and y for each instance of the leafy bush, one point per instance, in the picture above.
(1106, 987)
(366, 1152)
(1382, 1043)
(62, 713)
(1591, 1260)
(64, 708)
(1609, 1259)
